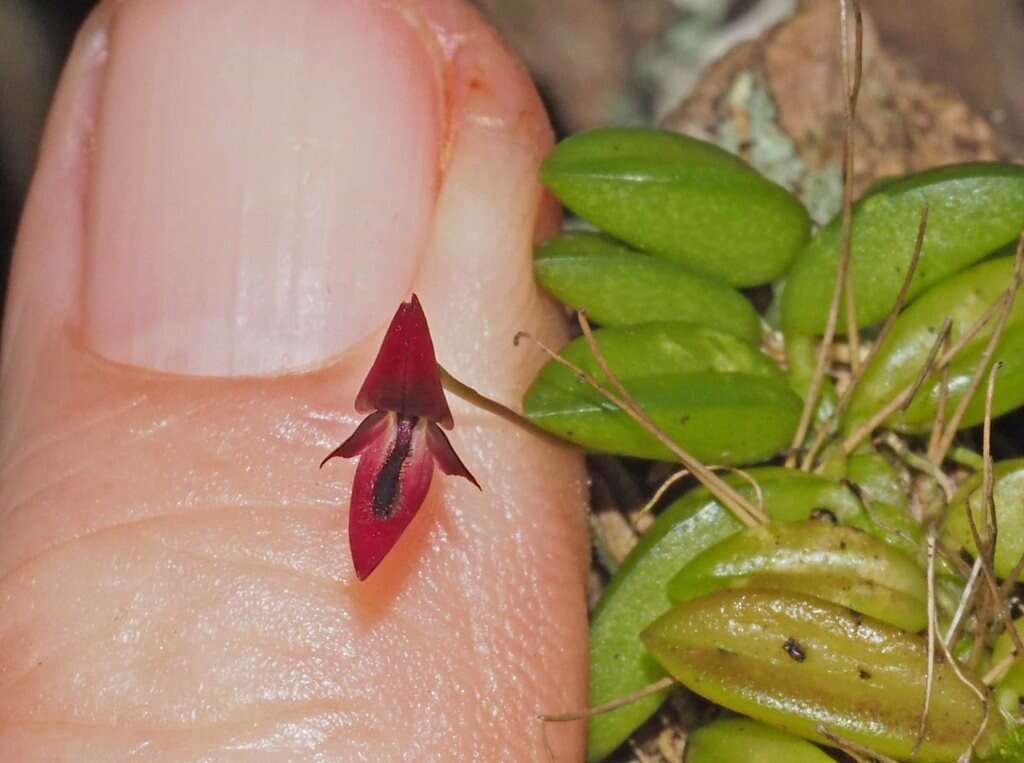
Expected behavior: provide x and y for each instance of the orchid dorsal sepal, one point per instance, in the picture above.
(399, 442)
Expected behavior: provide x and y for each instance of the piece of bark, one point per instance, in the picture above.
(904, 123)
(972, 46)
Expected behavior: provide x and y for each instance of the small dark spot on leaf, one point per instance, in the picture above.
(842, 545)
(793, 649)
(824, 515)
(863, 674)
(725, 652)
(857, 617)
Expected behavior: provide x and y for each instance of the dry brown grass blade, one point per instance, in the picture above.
(986, 545)
(998, 671)
(979, 691)
(939, 424)
(964, 605)
(988, 483)
(852, 77)
(866, 502)
(707, 477)
(641, 756)
(944, 645)
(478, 399)
(932, 628)
(988, 574)
(953, 559)
(744, 511)
(1011, 580)
(1005, 307)
(852, 71)
(998, 308)
(983, 617)
(903, 398)
(668, 751)
(921, 464)
(827, 429)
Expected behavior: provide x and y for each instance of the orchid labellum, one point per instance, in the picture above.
(399, 442)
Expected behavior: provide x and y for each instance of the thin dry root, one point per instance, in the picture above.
(608, 707)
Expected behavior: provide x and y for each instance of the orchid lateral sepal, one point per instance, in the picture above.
(399, 442)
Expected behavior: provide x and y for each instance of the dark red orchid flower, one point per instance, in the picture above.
(399, 443)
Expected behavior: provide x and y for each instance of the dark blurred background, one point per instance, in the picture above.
(34, 39)
(596, 61)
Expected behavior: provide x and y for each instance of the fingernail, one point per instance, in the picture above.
(263, 183)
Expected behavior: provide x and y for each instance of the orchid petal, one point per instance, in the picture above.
(444, 454)
(404, 377)
(372, 427)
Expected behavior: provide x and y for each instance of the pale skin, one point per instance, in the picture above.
(232, 198)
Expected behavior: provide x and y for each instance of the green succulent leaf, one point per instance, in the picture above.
(680, 198)
(1008, 496)
(974, 209)
(964, 298)
(815, 557)
(1009, 691)
(730, 740)
(619, 287)
(1010, 749)
(714, 394)
(637, 593)
(800, 663)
